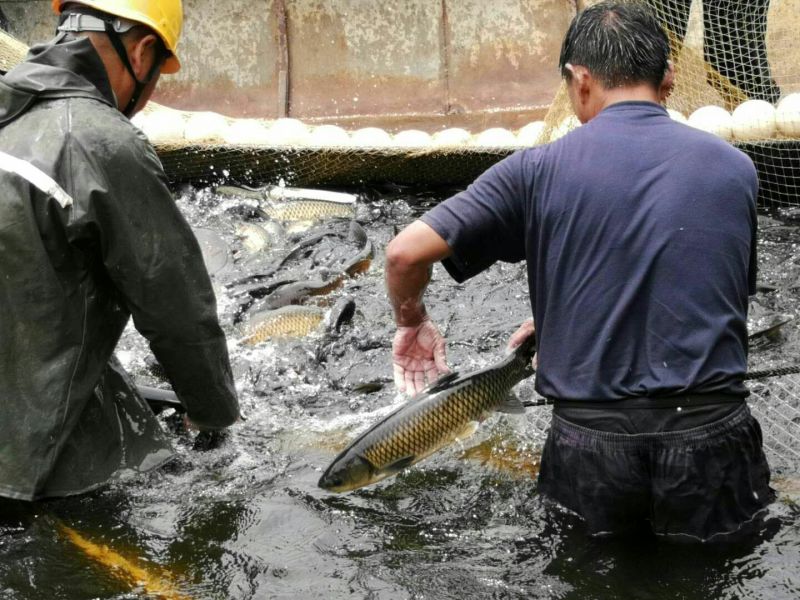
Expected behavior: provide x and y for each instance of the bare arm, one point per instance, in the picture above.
(418, 350)
(409, 258)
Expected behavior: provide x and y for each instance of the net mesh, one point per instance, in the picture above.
(12, 51)
(212, 163)
(727, 53)
(775, 402)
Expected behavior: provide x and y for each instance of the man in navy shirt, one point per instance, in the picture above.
(639, 235)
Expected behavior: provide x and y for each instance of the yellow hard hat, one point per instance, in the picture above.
(164, 17)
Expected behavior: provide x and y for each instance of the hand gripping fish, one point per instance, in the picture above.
(447, 410)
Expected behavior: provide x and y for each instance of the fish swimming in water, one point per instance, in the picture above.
(301, 249)
(355, 233)
(151, 584)
(297, 291)
(767, 327)
(361, 262)
(447, 410)
(285, 322)
(295, 204)
(255, 237)
(517, 460)
(276, 294)
(279, 192)
(342, 313)
(216, 253)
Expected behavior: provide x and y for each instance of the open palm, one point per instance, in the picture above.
(418, 354)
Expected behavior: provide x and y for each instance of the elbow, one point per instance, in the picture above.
(415, 249)
(399, 256)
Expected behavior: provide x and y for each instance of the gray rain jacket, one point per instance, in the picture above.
(90, 235)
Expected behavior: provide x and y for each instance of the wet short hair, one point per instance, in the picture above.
(619, 43)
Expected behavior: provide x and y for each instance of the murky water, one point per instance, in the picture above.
(246, 520)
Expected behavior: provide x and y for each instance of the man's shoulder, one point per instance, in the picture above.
(96, 124)
(707, 154)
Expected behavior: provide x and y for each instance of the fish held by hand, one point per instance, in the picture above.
(445, 411)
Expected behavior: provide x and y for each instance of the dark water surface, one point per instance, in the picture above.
(246, 519)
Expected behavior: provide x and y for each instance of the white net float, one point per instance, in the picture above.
(454, 136)
(329, 136)
(289, 132)
(787, 116)
(162, 126)
(713, 119)
(677, 115)
(529, 134)
(564, 127)
(247, 132)
(754, 120)
(412, 138)
(205, 127)
(371, 137)
(495, 137)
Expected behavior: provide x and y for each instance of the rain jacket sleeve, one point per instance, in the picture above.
(154, 260)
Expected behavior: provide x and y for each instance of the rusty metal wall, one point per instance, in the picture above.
(425, 63)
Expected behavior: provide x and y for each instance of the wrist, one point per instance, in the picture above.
(411, 315)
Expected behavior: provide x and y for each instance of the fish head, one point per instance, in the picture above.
(527, 348)
(348, 472)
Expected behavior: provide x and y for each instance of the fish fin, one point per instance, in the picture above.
(469, 429)
(511, 405)
(400, 464)
(442, 383)
(356, 233)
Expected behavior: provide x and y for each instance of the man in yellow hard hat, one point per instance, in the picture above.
(90, 235)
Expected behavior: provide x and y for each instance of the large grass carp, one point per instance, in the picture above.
(306, 210)
(295, 204)
(286, 322)
(447, 410)
(279, 192)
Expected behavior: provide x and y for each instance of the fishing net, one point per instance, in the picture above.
(211, 163)
(727, 54)
(775, 402)
(12, 51)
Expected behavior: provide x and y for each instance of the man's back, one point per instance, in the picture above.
(639, 234)
(641, 239)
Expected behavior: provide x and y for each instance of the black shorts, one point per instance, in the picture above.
(702, 484)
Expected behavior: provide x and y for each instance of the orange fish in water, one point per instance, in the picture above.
(153, 585)
(509, 458)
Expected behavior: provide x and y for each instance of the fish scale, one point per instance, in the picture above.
(305, 210)
(289, 321)
(428, 422)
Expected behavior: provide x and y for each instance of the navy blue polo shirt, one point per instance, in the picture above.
(639, 234)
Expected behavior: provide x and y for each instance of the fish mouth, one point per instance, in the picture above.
(332, 483)
(348, 474)
(328, 483)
